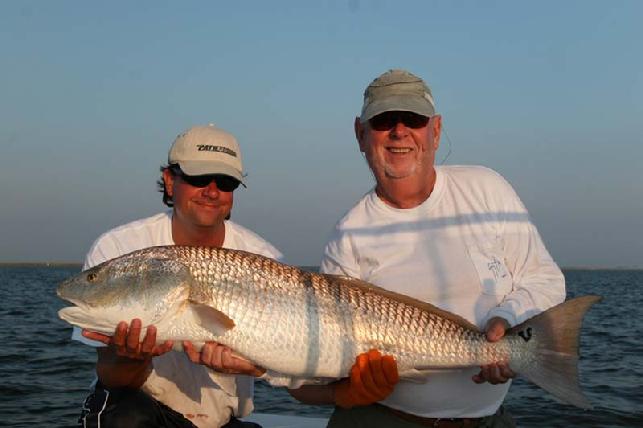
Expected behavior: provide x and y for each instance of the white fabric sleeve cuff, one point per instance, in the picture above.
(502, 313)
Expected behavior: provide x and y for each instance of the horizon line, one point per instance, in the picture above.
(69, 263)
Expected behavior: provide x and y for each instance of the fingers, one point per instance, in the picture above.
(494, 374)
(495, 334)
(489, 373)
(192, 353)
(221, 359)
(164, 347)
(496, 328)
(120, 335)
(149, 342)
(383, 370)
(374, 376)
(211, 355)
(376, 371)
(99, 337)
(228, 361)
(372, 379)
(389, 366)
(498, 372)
(366, 387)
(477, 378)
(240, 365)
(348, 392)
(506, 372)
(126, 340)
(132, 339)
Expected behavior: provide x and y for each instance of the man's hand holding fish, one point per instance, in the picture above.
(221, 358)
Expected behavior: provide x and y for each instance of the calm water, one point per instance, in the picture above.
(44, 376)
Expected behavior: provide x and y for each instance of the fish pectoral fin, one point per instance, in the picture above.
(211, 319)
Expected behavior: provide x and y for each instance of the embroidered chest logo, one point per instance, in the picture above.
(496, 268)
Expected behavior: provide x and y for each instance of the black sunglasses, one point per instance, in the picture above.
(387, 120)
(224, 183)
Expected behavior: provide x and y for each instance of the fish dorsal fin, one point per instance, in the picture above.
(211, 319)
(374, 289)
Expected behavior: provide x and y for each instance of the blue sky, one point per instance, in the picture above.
(92, 94)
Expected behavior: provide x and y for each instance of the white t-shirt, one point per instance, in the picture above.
(471, 249)
(204, 396)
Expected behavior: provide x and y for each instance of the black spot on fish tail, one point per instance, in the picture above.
(525, 334)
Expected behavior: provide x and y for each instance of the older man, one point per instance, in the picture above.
(139, 383)
(456, 236)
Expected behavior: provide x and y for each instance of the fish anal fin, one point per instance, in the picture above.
(416, 376)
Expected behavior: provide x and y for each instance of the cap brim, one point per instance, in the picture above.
(210, 167)
(403, 102)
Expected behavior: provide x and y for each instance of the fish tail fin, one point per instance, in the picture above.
(554, 367)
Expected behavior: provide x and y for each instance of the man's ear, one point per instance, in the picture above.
(436, 124)
(168, 181)
(359, 134)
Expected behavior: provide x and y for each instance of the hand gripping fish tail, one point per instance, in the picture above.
(555, 335)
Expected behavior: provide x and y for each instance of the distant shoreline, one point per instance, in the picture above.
(41, 264)
(305, 267)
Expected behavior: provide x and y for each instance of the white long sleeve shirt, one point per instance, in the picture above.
(471, 249)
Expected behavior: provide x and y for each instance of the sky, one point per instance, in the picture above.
(92, 94)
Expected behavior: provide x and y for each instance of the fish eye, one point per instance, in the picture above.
(91, 277)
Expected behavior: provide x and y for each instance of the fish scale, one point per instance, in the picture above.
(306, 325)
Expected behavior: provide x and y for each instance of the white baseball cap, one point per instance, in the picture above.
(203, 150)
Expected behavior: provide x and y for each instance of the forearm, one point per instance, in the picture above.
(314, 394)
(531, 295)
(121, 372)
(538, 282)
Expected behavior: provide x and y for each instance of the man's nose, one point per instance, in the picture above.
(399, 129)
(211, 190)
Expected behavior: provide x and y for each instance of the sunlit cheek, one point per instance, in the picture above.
(375, 163)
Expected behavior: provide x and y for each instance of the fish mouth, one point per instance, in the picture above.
(75, 302)
(72, 314)
(80, 317)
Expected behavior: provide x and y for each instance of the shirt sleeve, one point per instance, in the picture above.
(103, 249)
(271, 251)
(240, 238)
(339, 256)
(538, 282)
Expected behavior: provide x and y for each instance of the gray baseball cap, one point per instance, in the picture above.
(397, 90)
(203, 150)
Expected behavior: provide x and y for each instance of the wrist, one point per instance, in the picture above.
(341, 394)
